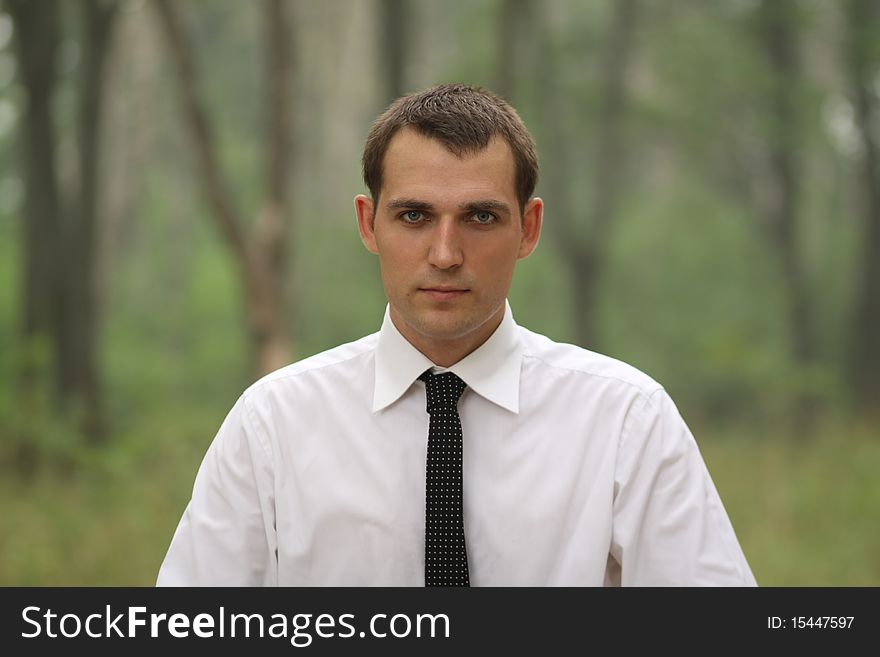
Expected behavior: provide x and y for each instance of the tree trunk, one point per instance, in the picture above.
(779, 42)
(781, 49)
(515, 18)
(267, 300)
(78, 362)
(863, 32)
(262, 259)
(586, 257)
(196, 119)
(36, 39)
(392, 42)
(36, 36)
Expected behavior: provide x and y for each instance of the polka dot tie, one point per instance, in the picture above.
(445, 551)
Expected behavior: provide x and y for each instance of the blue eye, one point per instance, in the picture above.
(412, 216)
(484, 217)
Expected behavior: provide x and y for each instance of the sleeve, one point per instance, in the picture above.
(226, 536)
(669, 526)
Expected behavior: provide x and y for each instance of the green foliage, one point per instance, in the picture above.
(338, 294)
(688, 271)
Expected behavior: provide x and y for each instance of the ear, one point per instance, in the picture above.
(363, 205)
(533, 215)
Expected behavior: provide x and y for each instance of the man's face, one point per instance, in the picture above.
(448, 232)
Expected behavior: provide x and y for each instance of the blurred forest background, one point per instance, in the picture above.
(176, 183)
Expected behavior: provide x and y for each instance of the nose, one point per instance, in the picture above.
(445, 248)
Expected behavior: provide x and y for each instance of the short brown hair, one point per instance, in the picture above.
(464, 119)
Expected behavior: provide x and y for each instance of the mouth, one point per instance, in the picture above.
(444, 293)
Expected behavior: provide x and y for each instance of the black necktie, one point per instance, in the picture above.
(445, 551)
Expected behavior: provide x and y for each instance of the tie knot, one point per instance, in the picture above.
(442, 390)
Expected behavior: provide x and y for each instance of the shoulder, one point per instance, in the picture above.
(341, 362)
(586, 367)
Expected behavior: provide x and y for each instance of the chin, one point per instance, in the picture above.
(452, 329)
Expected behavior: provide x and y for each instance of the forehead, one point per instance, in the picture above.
(419, 166)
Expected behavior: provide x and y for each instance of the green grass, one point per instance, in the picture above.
(109, 519)
(806, 512)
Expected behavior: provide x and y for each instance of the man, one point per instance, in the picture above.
(535, 463)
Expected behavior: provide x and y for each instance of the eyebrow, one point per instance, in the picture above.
(488, 205)
(409, 204)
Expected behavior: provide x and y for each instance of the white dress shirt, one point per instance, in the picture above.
(578, 471)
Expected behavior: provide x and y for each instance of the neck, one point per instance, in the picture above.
(445, 352)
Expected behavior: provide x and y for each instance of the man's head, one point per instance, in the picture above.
(463, 119)
(451, 212)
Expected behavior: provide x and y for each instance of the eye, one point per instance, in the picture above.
(412, 216)
(483, 217)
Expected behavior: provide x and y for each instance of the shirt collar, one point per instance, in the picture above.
(492, 370)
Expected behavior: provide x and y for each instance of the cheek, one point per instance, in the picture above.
(397, 260)
(393, 253)
(497, 258)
